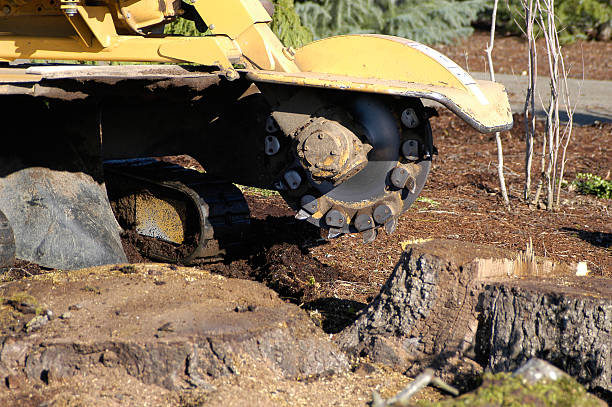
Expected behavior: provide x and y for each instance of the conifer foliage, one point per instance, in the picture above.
(428, 21)
(285, 24)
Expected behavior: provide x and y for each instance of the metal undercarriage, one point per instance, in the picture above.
(345, 161)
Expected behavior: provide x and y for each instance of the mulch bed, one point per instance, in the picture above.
(591, 58)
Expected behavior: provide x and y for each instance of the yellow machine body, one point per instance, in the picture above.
(241, 41)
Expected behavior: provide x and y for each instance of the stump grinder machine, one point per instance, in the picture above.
(336, 126)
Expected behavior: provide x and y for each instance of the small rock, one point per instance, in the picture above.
(537, 369)
(365, 369)
(36, 323)
(159, 282)
(242, 308)
(49, 314)
(167, 327)
(109, 359)
(14, 382)
(129, 269)
(66, 315)
(75, 307)
(154, 272)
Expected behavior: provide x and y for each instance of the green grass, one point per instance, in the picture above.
(257, 191)
(590, 184)
(503, 389)
(428, 201)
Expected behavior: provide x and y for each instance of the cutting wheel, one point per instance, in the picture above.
(398, 136)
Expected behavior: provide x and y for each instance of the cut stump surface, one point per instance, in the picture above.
(173, 328)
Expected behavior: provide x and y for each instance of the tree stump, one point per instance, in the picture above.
(566, 320)
(461, 307)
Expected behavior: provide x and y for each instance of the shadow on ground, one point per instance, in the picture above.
(599, 239)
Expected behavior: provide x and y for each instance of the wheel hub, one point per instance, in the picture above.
(329, 151)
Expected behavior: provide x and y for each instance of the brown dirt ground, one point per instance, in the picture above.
(591, 58)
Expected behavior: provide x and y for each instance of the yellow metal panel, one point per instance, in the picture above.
(381, 57)
(204, 50)
(127, 48)
(101, 24)
(15, 75)
(260, 46)
(80, 28)
(490, 117)
(231, 17)
(159, 218)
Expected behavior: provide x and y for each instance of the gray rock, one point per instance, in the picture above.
(36, 323)
(536, 370)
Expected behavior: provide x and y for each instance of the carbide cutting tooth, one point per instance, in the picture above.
(391, 225)
(411, 184)
(369, 236)
(302, 215)
(334, 232)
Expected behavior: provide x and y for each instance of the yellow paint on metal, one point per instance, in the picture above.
(264, 50)
(162, 219)
(142, 13)
(127, 48)
(15, 75)
(100, 22)
(211, 51)
(376, 57)
(231, 17)
(80, 28)
(365, 63)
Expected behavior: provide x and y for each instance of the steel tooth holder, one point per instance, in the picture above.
(399, 176)
(364, 222)
(335, 219)
(69, 7)
(309, 203)
(410, 150)
(382, 213)
(410, 119)
(293, 179)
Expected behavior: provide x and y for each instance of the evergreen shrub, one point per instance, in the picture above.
(285, 24)
(427, 21)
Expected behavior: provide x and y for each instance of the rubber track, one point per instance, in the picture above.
(227, 213)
